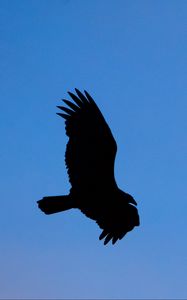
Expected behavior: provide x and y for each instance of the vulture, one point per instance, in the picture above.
(89, 158)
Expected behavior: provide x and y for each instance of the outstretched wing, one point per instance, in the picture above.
(91, 149)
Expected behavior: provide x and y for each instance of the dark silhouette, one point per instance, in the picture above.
(89, 158)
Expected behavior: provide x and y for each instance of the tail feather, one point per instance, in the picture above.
(53, 204)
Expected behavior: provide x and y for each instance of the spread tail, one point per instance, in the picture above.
(53, 204)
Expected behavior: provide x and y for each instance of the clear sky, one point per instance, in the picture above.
(131, 56)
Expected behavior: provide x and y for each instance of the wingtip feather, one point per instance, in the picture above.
(76, 99)
(108, 238)
(63, 115)
(81, 96)
(67, 110)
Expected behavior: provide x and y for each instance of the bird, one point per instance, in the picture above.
(89, 159)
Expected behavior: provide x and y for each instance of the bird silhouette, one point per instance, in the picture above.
(89, 158)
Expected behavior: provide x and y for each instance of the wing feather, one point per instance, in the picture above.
(76, 99)
(67, 110)
(71, 105)
(63, 115)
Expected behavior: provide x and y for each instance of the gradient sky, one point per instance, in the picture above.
(131, 56)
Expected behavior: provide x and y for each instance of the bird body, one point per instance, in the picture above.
(89, 158)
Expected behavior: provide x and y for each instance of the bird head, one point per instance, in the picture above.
(127, 197)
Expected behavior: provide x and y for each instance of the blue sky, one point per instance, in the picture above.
(131, 57)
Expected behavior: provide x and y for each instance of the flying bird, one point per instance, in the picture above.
(89, 158)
